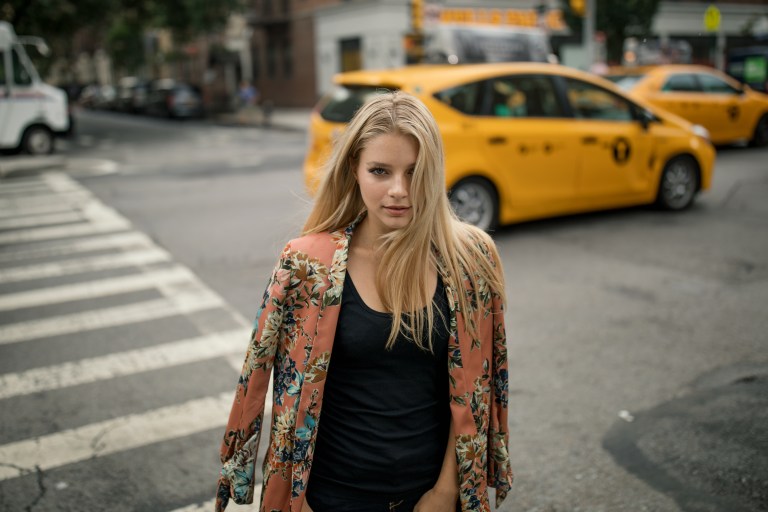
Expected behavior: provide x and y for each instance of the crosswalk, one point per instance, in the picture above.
(74, 275)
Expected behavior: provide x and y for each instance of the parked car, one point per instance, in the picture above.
(132, 95)
(174, 99)
(530, 140)
(730, 110)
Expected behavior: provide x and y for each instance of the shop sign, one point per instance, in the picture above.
(553, 18)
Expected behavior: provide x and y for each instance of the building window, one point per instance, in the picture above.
(271, 59)
(256, 61)
(351, 59)
(287, 59)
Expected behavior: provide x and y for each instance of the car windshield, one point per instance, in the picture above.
(626, 82)
(341, 104)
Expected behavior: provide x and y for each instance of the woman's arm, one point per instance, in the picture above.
(442, 497)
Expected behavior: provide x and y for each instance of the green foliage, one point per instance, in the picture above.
(618, 19)
(120, 24)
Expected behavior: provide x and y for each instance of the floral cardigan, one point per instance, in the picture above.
(294, 332)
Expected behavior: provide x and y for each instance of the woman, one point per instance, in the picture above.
(408, 299)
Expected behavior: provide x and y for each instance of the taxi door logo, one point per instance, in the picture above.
(622, 150)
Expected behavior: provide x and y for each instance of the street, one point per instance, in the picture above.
(130, 276)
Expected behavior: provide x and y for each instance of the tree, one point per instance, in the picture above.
(617, 19)
(120, 24)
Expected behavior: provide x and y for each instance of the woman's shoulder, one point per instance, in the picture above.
(320, 246)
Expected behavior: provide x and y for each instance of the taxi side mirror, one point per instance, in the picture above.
(646, 117)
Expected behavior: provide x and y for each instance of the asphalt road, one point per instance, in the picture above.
(638, 362)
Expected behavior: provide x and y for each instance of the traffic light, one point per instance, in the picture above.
(417, 15)
(578, 7)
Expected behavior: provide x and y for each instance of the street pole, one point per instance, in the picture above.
(589, 33)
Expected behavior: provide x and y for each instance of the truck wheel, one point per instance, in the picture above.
(474, 201)
(679, 183)
(37, 140)
(760, 136)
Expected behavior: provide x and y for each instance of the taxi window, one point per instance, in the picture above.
(683, 82)
(2, 67)
(341, 104)
(712, 84)
(524, 96)
(466, 98)
(589, 101)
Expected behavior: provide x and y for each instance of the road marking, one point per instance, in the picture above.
(182, 299)
(120, 364)
(40, 234)
(69, 197)
(113, 436)
(37, 210)
(70, 247)
(209, 505)
(83, 265)
(93, 289)
(41, 220)
(10, 189)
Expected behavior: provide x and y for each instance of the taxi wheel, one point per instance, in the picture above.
(475, 201)
(679, 183)
(37, 140)
(760, 137)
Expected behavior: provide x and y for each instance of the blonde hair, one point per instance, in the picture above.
(434, 237)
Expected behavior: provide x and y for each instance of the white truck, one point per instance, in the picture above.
(32, 113)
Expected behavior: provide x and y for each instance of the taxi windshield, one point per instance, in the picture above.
(343, 101)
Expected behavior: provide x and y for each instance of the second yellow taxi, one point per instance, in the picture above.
(526, 141)
(729, 110)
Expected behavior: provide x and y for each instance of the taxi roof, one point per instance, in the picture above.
(436, 76)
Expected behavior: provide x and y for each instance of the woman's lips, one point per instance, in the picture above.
(397, 210)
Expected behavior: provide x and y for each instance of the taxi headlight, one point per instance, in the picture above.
(700, 131)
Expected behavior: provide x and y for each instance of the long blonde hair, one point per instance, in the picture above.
(434, 237)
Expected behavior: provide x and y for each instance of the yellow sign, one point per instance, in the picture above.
(712, 18)
(553, 19)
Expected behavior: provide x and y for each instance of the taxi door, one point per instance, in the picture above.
(524, 139)
(724, 109)
(681, 94)
(616, 149)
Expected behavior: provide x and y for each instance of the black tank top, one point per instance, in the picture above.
(383, 429)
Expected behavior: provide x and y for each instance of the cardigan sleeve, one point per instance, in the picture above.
(241, 438)
(499, 471)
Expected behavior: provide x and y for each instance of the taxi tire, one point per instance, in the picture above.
(760, 135)
(480, 202)
(37, 140)
(680, 171)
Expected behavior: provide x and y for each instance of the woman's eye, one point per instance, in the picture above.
(378, 171)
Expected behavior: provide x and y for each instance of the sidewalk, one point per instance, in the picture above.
(281, 118)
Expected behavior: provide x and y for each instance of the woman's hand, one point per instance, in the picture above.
(305, 506)
(437, 500)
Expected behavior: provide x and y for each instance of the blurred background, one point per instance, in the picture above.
(155, 156)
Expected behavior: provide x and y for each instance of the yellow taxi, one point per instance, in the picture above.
(730, 110)
(526, 141)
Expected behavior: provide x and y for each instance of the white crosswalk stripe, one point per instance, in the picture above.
(29, 212)
(184, 302)
(75, 246)
(79, 266)
(120, 364)
(209, 505)
(114, 435)
(40, 220)
(36, 210)
(92, 289)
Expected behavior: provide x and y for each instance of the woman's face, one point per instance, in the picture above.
(384, 175)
